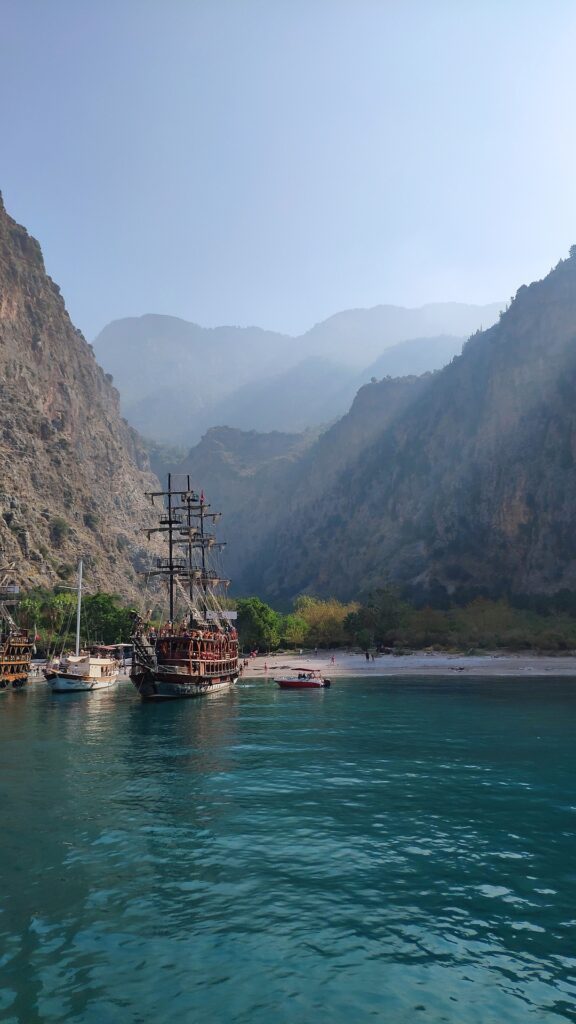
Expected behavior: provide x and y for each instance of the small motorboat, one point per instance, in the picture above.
(303, 679)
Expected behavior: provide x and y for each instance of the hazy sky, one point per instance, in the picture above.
(275, 161)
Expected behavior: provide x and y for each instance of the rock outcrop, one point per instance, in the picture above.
(471, 489)
(454, 484)
(73, 472)
(263, 482)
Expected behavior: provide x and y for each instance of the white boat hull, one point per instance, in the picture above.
(61, 683)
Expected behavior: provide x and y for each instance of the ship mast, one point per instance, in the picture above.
(79, 608)
(170, 549)
(9, 594)
(189, 528)
(169, 520)
(181, 530)
(203, 550)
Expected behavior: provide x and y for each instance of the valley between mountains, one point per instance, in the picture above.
(388, 449)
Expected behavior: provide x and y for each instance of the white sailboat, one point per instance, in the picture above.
(83, 670)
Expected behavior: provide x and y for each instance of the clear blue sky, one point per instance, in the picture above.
(275, 161)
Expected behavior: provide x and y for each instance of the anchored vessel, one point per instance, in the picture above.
(83, 670)
(92, 670)
(303, 679)
(197, 652)
(16, 646)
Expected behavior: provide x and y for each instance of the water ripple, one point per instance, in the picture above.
(392, 851)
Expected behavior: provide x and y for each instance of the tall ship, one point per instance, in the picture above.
(196, 651)
(16, 646)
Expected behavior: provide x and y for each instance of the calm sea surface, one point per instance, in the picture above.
(386, 850)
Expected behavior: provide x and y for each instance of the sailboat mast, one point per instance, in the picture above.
(170, 550)
(79, 608)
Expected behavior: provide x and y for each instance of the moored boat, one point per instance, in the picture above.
(196, 651)
(83, 670)
(303, 679)
(16, 646)
(87, 670)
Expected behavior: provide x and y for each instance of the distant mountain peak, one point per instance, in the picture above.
(249, 377)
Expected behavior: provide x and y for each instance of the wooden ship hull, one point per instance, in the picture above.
(16, 647)
(172, 667)
(199, 655)
(158, 687)
(15, 657)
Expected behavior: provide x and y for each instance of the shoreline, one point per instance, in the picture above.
(417, 664)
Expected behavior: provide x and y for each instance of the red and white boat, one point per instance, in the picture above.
(303, 679)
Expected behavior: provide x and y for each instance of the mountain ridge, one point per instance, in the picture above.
(74, 472)
(453, 484)
(217, 365)
(465, 490)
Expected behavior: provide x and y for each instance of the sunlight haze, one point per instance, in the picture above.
(272, 163)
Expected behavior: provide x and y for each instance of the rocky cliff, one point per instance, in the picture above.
(470, 489)
(263, 482)
(73, 471)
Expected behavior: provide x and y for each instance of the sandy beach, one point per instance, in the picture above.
(342, 663)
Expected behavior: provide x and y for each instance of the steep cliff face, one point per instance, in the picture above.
(471, 487)
(246, 476)
(73, 472)
(263, 481)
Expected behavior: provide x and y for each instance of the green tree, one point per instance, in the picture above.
(378, 620)
(105, 619)
(258, 624)
(325, 619)
(59, 610)
(30, 610)
(294, 629)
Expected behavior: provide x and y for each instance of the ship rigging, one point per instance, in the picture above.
(16, 646)
(197, 654)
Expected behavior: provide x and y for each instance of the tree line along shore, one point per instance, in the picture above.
(382, 621)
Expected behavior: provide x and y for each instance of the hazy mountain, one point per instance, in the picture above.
(359, 336)
(168, 370)
(256, 478)
(73, 472)
(318, 391)
(458, 482)
(177, 379)
(313, 392)
(470, 488)
(246, 476)
(416, 356)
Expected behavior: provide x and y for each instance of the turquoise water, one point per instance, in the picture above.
(386, 850)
